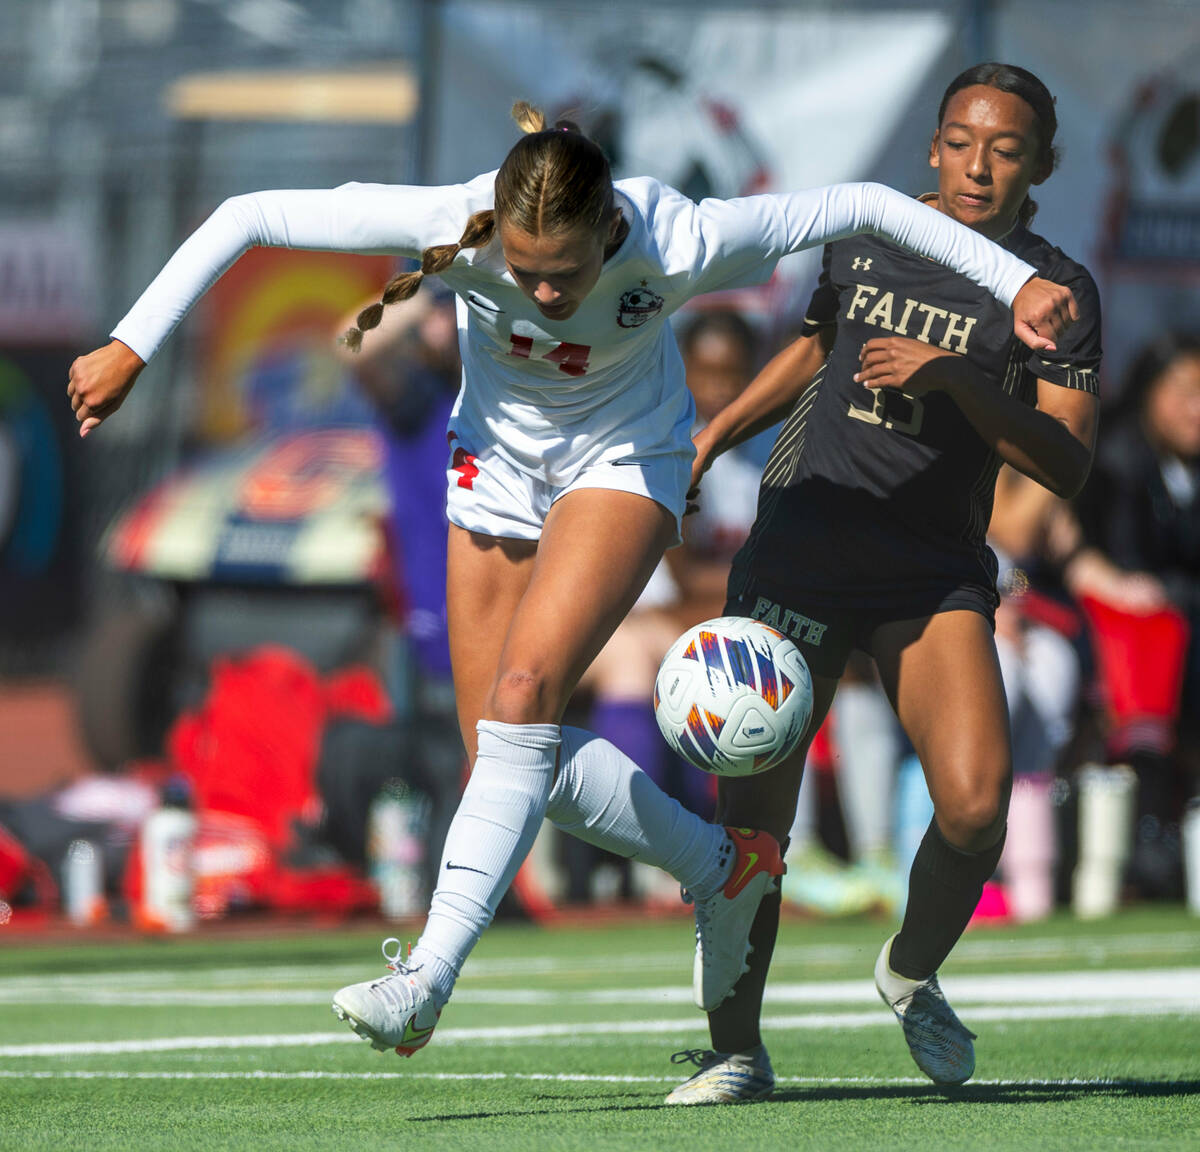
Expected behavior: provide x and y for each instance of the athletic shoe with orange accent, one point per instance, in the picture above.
(397, 1011)
(723, 920)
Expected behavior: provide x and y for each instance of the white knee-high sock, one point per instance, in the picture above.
(603, 797)
(497, 820)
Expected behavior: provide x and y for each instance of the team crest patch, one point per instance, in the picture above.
(637, 306)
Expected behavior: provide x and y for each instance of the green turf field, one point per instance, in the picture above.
(561, 1038)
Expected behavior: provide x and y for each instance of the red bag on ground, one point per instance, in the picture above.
(252, 747)
(251, 753)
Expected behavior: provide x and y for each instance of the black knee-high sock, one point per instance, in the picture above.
(734, 1025)
(944, 887)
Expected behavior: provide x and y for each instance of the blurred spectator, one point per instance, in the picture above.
(409, 368)
(1140, 515)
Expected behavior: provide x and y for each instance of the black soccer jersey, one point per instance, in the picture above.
(875, 492)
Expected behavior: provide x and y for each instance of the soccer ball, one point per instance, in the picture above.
(733, 696)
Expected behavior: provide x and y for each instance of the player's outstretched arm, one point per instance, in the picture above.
(352, 218)
(98, 383)
(1041, 310)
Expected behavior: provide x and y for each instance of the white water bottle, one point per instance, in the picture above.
(83, 884)
(168, 840)
(1107, 797)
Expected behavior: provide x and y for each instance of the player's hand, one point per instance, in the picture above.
(98, 383)
(1042, 311)
(911, 366)
(705, 455)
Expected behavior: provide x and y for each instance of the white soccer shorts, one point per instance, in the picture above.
(487, 494)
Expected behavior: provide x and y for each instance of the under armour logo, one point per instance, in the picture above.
(861, 264)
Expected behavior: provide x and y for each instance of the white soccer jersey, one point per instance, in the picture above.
(552, 396)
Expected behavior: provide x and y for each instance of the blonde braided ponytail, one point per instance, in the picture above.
(437, 258)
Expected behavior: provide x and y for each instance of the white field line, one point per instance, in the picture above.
(973, 949)
(568, 1078)
(575, 1033)
(1132, 985)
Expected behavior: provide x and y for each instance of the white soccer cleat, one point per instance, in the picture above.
(723, 920)
(724, 1078)
(940, 1044)
(396, 1011)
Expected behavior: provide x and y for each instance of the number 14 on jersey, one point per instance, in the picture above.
(570, 358)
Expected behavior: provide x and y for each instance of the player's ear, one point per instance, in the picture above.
(933, 149)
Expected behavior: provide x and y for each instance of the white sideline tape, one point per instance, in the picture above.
(1097, 950)
(1159, 985)
(574, 1033)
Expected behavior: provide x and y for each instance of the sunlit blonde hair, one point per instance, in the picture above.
(553, 181)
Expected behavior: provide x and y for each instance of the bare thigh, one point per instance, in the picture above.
(768, 801)
(527, 619)
(486, 576)
(942, 676)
